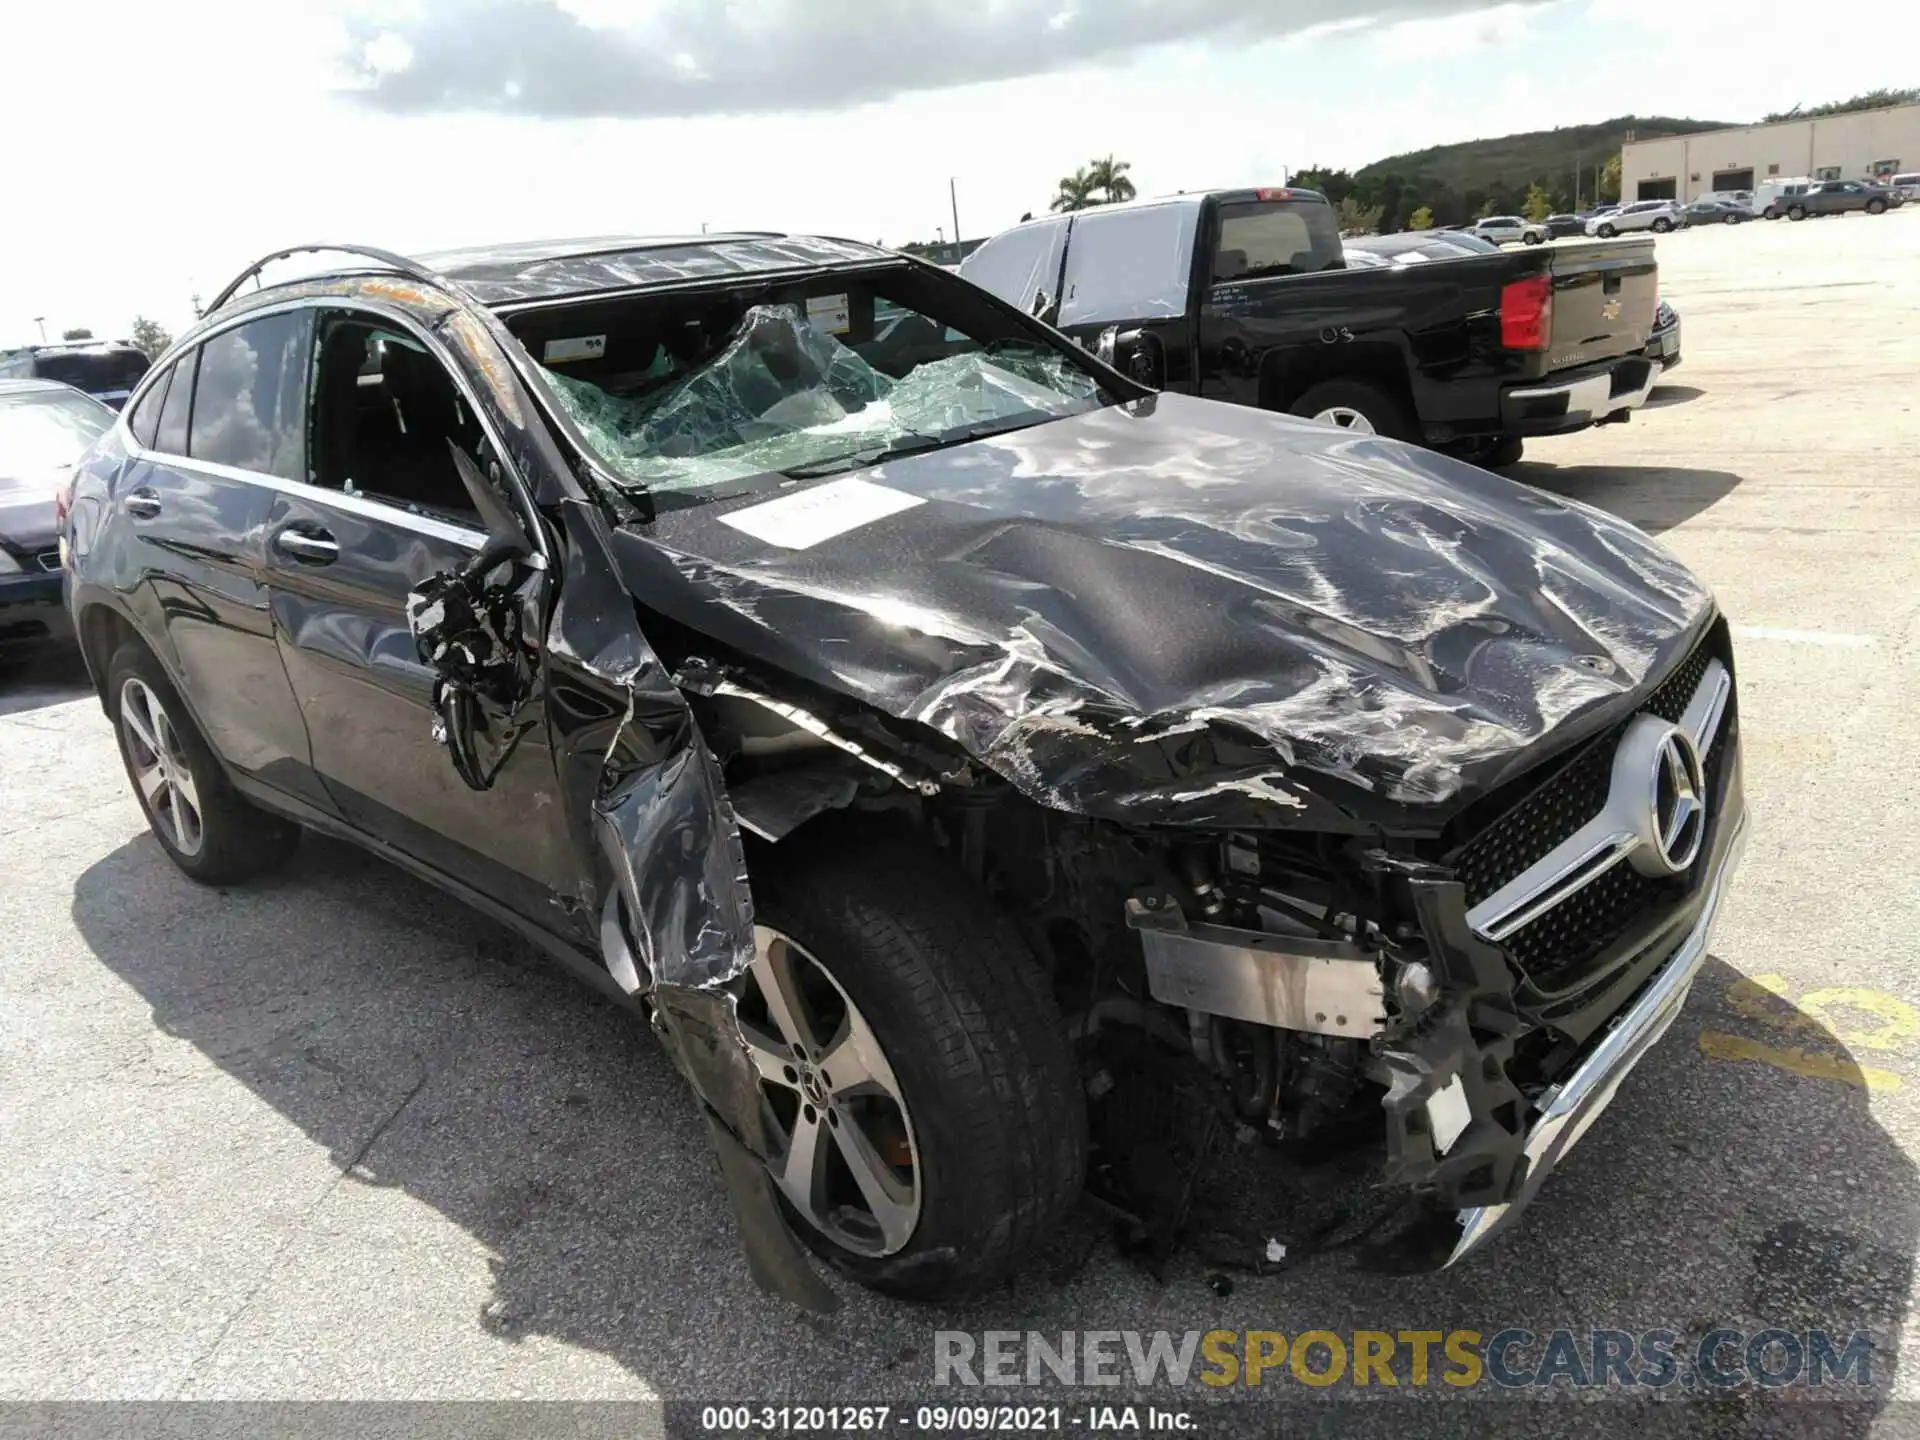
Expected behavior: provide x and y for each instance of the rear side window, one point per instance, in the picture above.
(171, 437)
(1279, 238)
(249, 402)
(1130, 264)
(1021, 264)
(144, 419)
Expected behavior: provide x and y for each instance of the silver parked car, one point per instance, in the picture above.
(1656, 215)
(1510, 230)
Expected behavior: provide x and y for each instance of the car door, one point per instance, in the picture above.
(211, 435)
(383, 509)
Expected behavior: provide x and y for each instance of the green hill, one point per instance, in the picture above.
(1546, 156)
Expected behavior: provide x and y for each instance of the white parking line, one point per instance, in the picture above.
(1802, 637)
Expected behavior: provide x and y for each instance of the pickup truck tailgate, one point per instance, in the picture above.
(1604, 296)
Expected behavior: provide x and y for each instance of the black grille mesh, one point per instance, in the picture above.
(1577, 929)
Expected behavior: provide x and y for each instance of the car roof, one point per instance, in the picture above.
(535, 270)
(36, 386)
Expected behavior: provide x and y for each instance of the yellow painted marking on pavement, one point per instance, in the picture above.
(1900, 1021)
(1808, 1063)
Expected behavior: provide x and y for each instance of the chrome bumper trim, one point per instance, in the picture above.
(1593, 396)
(1567, 1110)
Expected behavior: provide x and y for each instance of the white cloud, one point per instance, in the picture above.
(1448, 37)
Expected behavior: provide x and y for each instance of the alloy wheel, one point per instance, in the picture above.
(845, 1156)
(1345, 417)
(160, 767)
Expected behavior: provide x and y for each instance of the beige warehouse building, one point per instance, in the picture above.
(1858, 146)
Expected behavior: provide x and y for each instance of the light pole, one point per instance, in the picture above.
(41, 321)
(953, 197)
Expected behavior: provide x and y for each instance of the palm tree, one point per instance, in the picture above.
(1075, 192)
(1109, 176)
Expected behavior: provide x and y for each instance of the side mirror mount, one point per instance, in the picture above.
(1104, 347)
(507, 537)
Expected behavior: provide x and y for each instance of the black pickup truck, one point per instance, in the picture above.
(1244, 295)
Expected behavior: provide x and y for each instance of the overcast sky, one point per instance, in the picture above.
(157, 147)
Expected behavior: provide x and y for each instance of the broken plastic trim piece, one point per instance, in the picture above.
(695, 677)
(1323, 987)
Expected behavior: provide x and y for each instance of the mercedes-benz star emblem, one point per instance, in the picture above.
(1679, 809)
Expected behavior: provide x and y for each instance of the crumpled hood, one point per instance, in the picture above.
(1193, 613)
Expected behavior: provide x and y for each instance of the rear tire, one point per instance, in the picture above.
(1355, 405)
(1796, 212)
(213, 834)
(1731, 219)
(1661, 227)
(996, 1129)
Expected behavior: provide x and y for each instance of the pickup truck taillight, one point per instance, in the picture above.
(1526, 313)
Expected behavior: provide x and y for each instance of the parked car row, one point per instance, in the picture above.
(940, 734)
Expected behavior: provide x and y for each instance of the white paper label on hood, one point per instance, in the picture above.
(803, 520)
(575, 347)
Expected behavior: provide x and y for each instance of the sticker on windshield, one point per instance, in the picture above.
(830, 314)
(801, 521)
(577, 347)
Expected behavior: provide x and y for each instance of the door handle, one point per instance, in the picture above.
(309, 547)
(142, 504)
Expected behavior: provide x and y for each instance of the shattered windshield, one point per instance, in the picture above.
(677, 393)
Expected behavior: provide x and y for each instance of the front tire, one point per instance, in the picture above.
(1607, 232)
(954, 1138)
(1876, 207)
(1796, 212)
(1356, 406)
(214, 835)
(1731, 219)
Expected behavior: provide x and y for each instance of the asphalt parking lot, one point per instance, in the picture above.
(335, 1137)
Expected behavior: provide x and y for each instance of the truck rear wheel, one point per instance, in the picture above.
(918, 1080)
(1354, 405)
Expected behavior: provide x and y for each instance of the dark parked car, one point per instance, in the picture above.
(1245, 295)
(1714, 212)
(45, 427)
(1837, 197)
(914, 720)
(1561, 227)
(105, 369)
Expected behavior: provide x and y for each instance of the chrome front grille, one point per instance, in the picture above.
(1567, 869)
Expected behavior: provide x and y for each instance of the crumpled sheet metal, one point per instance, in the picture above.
(659, 810)
(505, 274)
(653, 801)
(782, 393)
(1197, 614)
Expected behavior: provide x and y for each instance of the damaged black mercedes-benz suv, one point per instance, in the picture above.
(891, 703)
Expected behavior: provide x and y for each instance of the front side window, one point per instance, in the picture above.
(386, 419)
(1132, 264)
(674, 394)
(249, 400)
(42, 431)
